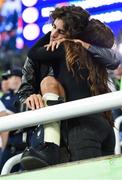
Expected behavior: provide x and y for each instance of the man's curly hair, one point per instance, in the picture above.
(77, 21)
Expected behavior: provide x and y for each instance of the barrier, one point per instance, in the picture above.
(61, 112)
(10, 163)
(118, 145)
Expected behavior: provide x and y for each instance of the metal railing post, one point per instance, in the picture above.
(10, 163)
(62, 111)
(117, 123)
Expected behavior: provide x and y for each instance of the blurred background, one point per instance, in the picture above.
(23, 22)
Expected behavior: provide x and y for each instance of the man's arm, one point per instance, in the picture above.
(28, 80)
(29, 83)
(3, 110)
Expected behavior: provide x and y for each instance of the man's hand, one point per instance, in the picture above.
(34, 101)
(55, 44)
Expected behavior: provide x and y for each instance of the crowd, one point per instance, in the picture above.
(71, 62)
(11, 142)
(9, 12)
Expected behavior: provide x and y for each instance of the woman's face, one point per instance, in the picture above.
(58, 31)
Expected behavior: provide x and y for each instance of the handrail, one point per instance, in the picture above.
(117, 123)
(10, 163)
(16, 159)
(62, 111)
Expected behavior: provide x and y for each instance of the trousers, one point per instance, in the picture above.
(90, 136)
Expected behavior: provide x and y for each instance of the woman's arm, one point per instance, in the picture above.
(107, 57)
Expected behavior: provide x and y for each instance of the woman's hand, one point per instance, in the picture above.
(55, 44)
(84, 44)
(34, 101)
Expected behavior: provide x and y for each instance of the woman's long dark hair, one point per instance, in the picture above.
(77, 23)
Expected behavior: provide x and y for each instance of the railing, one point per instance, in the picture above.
(62, 111)
(117, 124)
(10, 163)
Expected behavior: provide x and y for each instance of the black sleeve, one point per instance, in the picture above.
(28, 81)
(43, 56)
(107, 57)
(39, 53)
(41, 42)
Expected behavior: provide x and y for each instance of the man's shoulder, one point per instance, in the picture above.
(42, 41)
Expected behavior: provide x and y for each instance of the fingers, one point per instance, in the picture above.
(57, 45)
(34, 102)
(47, 46)
(77, 41)
(59, 42)
(40, 101)
(51, 46)
(84, 44)
(54, 44)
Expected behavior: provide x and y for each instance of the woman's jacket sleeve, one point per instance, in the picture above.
(106, 57)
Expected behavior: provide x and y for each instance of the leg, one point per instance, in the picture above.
(50, 85)
(47, 137)
(108, 144)
(90, 136)
(84, 144)
(51, 90)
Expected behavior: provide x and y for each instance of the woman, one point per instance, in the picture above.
(79, 69)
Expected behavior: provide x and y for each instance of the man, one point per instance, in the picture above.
(3, 135)
(4, 111)
(13, 78)
(4, 83)
(14, 139)
(49, 75)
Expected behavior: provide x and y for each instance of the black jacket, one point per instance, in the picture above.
(34, 70)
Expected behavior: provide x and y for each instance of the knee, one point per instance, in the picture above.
(49, 84)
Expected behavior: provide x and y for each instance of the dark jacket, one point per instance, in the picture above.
(34, 70)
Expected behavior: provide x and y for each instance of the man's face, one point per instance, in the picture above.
(58, 31)
(14, 82)
(5, 85)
